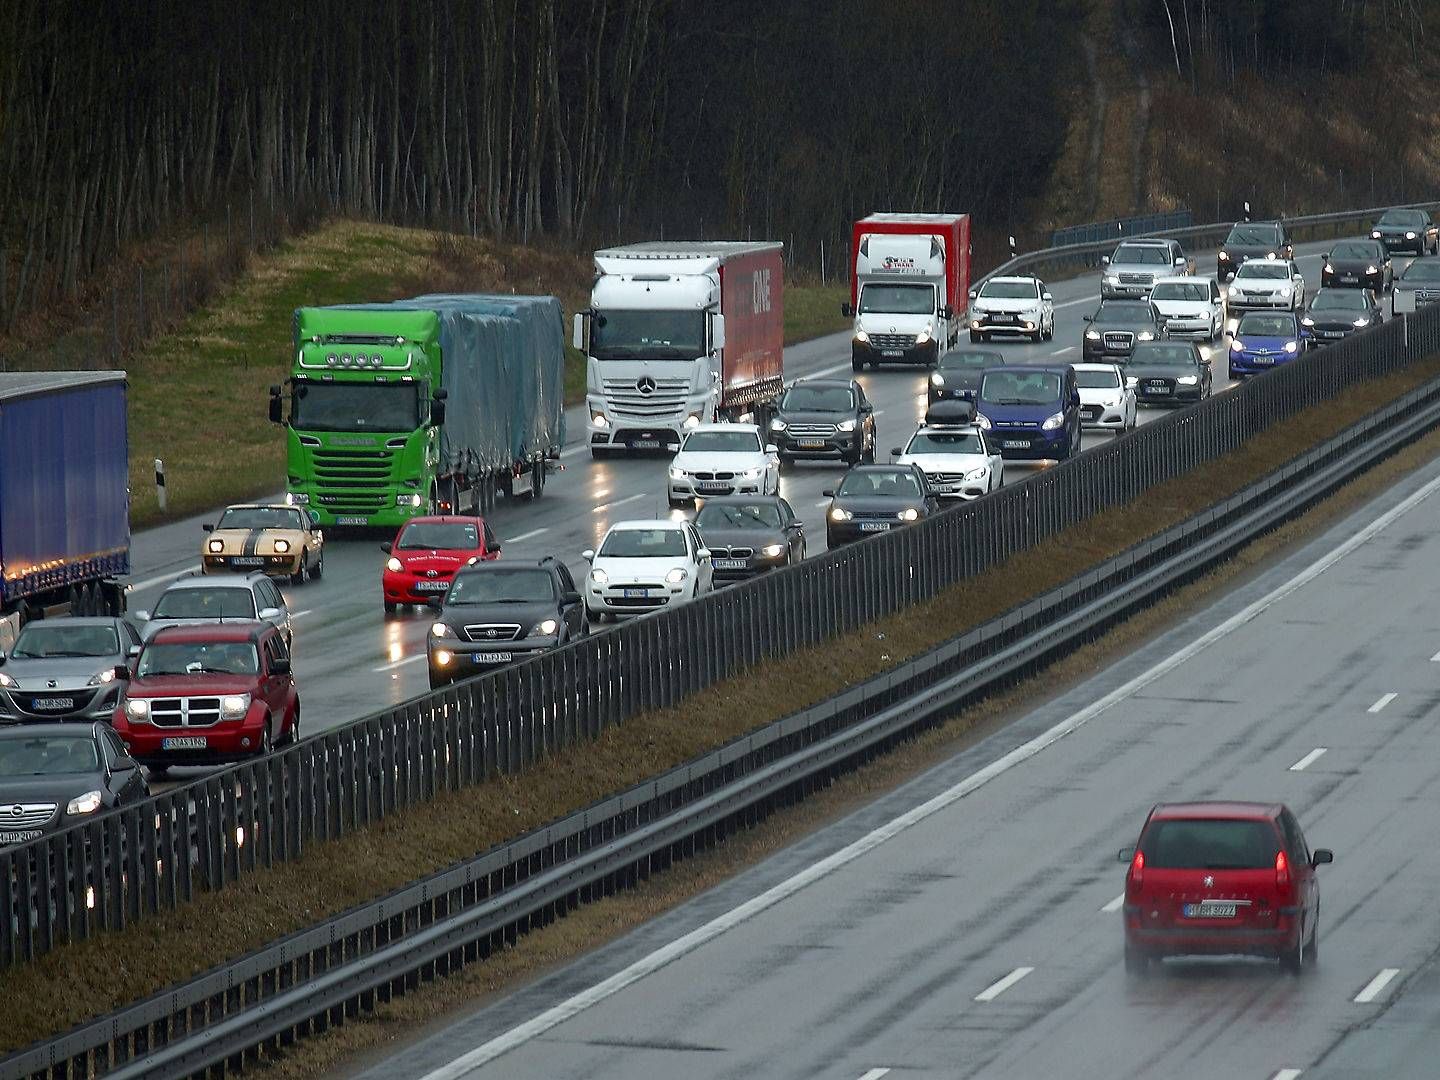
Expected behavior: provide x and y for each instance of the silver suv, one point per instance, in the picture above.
(197, 598)
(1136, 265)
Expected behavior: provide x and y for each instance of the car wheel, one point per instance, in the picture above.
(857, 365)
(293, 736)
(302, 570)
(1136, 961)
(318, 570)
(158, 772)
(391, 607)
(974, 337)
(868, 455)
(266, 740)
(1312, 950)
(676, 504)
(1293, 960)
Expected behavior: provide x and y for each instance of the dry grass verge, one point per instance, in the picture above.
(125, 966)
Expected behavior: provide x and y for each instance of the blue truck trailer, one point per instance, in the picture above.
(64, 494)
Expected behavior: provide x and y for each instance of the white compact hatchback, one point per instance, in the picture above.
(1107, 402)
(641, 566)
(723, 459)
(1192, 306)
(957, 459)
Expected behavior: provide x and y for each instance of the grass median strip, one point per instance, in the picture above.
(126, 966)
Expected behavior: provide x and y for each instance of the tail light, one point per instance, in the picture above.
(1137, 871)
(1282, 871)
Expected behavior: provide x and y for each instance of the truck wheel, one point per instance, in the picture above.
(537, 483)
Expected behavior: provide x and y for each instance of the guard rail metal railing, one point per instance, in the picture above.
(304, 983)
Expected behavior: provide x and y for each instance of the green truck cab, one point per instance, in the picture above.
(413, 407)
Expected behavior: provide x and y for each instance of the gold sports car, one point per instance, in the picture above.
(282, 541)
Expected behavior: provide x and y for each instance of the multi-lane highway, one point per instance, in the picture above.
(350, 660)
(967, 924)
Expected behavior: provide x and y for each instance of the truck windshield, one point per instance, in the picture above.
(664, 335)
(897, 299)
(356, 407)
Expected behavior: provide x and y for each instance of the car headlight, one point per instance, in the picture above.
(982, 421)
(1188, 380)
(773, 551)
(293, 498)
(1287, 290)
(1372, 270)
(472, 560)
(1236, 345)
(137, 709)
(1374, 234)
(1329, 269)
(1145, 335)
(692, 421)
(936, 379)
(544, 628)
(845, 425)
(1131, 382)
(676, 474)
(441, 629)
(282, 547)
(1270, 255)
(100, 678)
(1092, 335)
(598, 419)
(923, 337)
(7, 682)
(909, 514)
(1307, 321)
(1112, 278)
(234, 706)
(394, 565)
(83, 804)
(1292, 346)
(676, 576)
(778, 425)
(1053, 422)
(977, 474)
(1409, 236)
(862, 337)
(215, 547)
(1224, 256)
(752, 474)
(599, 576)
(1361, 322)
(840, 514)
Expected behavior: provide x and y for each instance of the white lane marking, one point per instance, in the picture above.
(875, 1074)
(399, 663)
(1309, 759)
(1286, 1074)
(1382, 703)
(1375, 985)
(688, 943)
(302, 614)
(160, 579)
(823, 502)
(826, 371)
(1114, 905)
(527, 535)
(1083, 300)
(1062, 352)
(619, 502)
(994, 990)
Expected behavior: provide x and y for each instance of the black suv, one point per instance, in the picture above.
(1117, 326)
(499, 612)
(1252, 240)
(824, 418)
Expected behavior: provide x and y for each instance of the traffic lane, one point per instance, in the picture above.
(879, 963)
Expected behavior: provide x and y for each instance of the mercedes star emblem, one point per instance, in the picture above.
(1209, 881)
(645, 384)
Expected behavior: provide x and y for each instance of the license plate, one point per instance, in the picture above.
(875, 526)
(1017, 444)
(431, 586)
(1209, 909)
(712, 485)
(351, 520)
(729, 564)
(811, 444)
(1002, 318)
(634, 592)
(20, 837)
(892, 352)
(247, 560)
(1332, 333)
(646, 444)
(54, 703)
(1349, 277)
(1091, 414)
(184, 742)
(1264, 359)
(1157, 389)
(491, 657)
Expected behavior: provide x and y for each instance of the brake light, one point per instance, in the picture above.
(1137, 870)
(1282, 871)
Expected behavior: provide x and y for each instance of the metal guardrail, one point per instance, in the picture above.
(130, 864)
(1118, 229)
(316, 978)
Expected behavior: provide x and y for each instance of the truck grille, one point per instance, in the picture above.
(892, 341)
(486, 632)
(626, 398)
(185, 712)
(352, 468)
(811, 431)
(31, 815)
(1114, 340)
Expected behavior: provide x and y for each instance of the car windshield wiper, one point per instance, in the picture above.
(55, 655)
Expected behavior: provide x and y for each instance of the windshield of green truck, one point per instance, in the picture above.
(342, 406)
(664, 335)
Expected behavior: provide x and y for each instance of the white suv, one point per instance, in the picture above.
(644, 565)
(723, 459)
(958, 459)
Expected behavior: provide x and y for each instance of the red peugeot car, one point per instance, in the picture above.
(426, 553)
(206, 694)
(1222, 878)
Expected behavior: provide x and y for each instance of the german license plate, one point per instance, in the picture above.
(491, 657)
(1157, 389)
(351, 520)
(875, 526)
(431, 586)
(184, 742)
(1264, 359)
(1002, 318)
(892, 352)
(1209, 909)
(729, 564)
(1332, 333)
(20, 836)
(247, 560)
(646, 444)
(1091, 414)
(54, 703)
(1349, 277)
(1017, 444)
(634, 592)
(811, 444)
(712, 485)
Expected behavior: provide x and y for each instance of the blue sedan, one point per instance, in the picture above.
(1263, 340)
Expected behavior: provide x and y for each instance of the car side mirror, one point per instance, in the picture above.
(770, 448)
(386, 547)
(270, 613)
(1325, 256)
(280, 666)
(1046, 296)
(141, 615)
(125, 764)
(122, 672)
(588, 554)
(896, 451)
(829, 493)
(2, 659)
(1088, 318)
(1180, 262)
(1321, 856)
(570, 599)
(1127, 854)
(1230, 333)
(974, 293)
(847, 310)
(133, 651)
(703, 555)
(437, 411)
(277, 406)
(495, 548)
(1075, 399)
(1104, 260)
(207, 527)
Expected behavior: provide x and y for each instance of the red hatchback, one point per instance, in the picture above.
(426, 553)
(1222, 878)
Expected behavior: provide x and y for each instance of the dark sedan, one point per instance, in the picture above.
(1361, 264)
(54, 775)
(1335, 314)
(824, 418)
(1167, 372)
(1407, 230)
(1117, 326)
(875, 499)
(1417, 286)
(1252, 240)
(64, 669)
(747, 535)
(957, 375)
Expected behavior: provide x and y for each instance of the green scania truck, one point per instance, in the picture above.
(426, 406)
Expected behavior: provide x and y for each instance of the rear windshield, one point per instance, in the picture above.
(1210, 845)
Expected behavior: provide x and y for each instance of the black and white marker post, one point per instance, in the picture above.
(160, 483)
